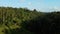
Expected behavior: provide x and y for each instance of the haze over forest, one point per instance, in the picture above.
(40, 5)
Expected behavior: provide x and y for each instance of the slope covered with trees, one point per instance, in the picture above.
(25, 21)
(12, 15)
(11, 18)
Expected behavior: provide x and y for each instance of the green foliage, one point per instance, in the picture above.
(45, 24)
(25, 21)
(8, 14)
(13, 17)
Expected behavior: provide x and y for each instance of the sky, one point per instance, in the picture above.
(41, 5)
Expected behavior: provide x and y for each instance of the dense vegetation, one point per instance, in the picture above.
(25, 21)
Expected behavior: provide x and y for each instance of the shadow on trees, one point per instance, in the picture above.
(48, 24)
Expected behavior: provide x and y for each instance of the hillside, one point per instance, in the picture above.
(25, 21)
(13, 17)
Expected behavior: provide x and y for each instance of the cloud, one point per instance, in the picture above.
(54, 8)
(29, 3)
(22, 1)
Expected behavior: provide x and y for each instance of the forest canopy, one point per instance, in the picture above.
(25, 21)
